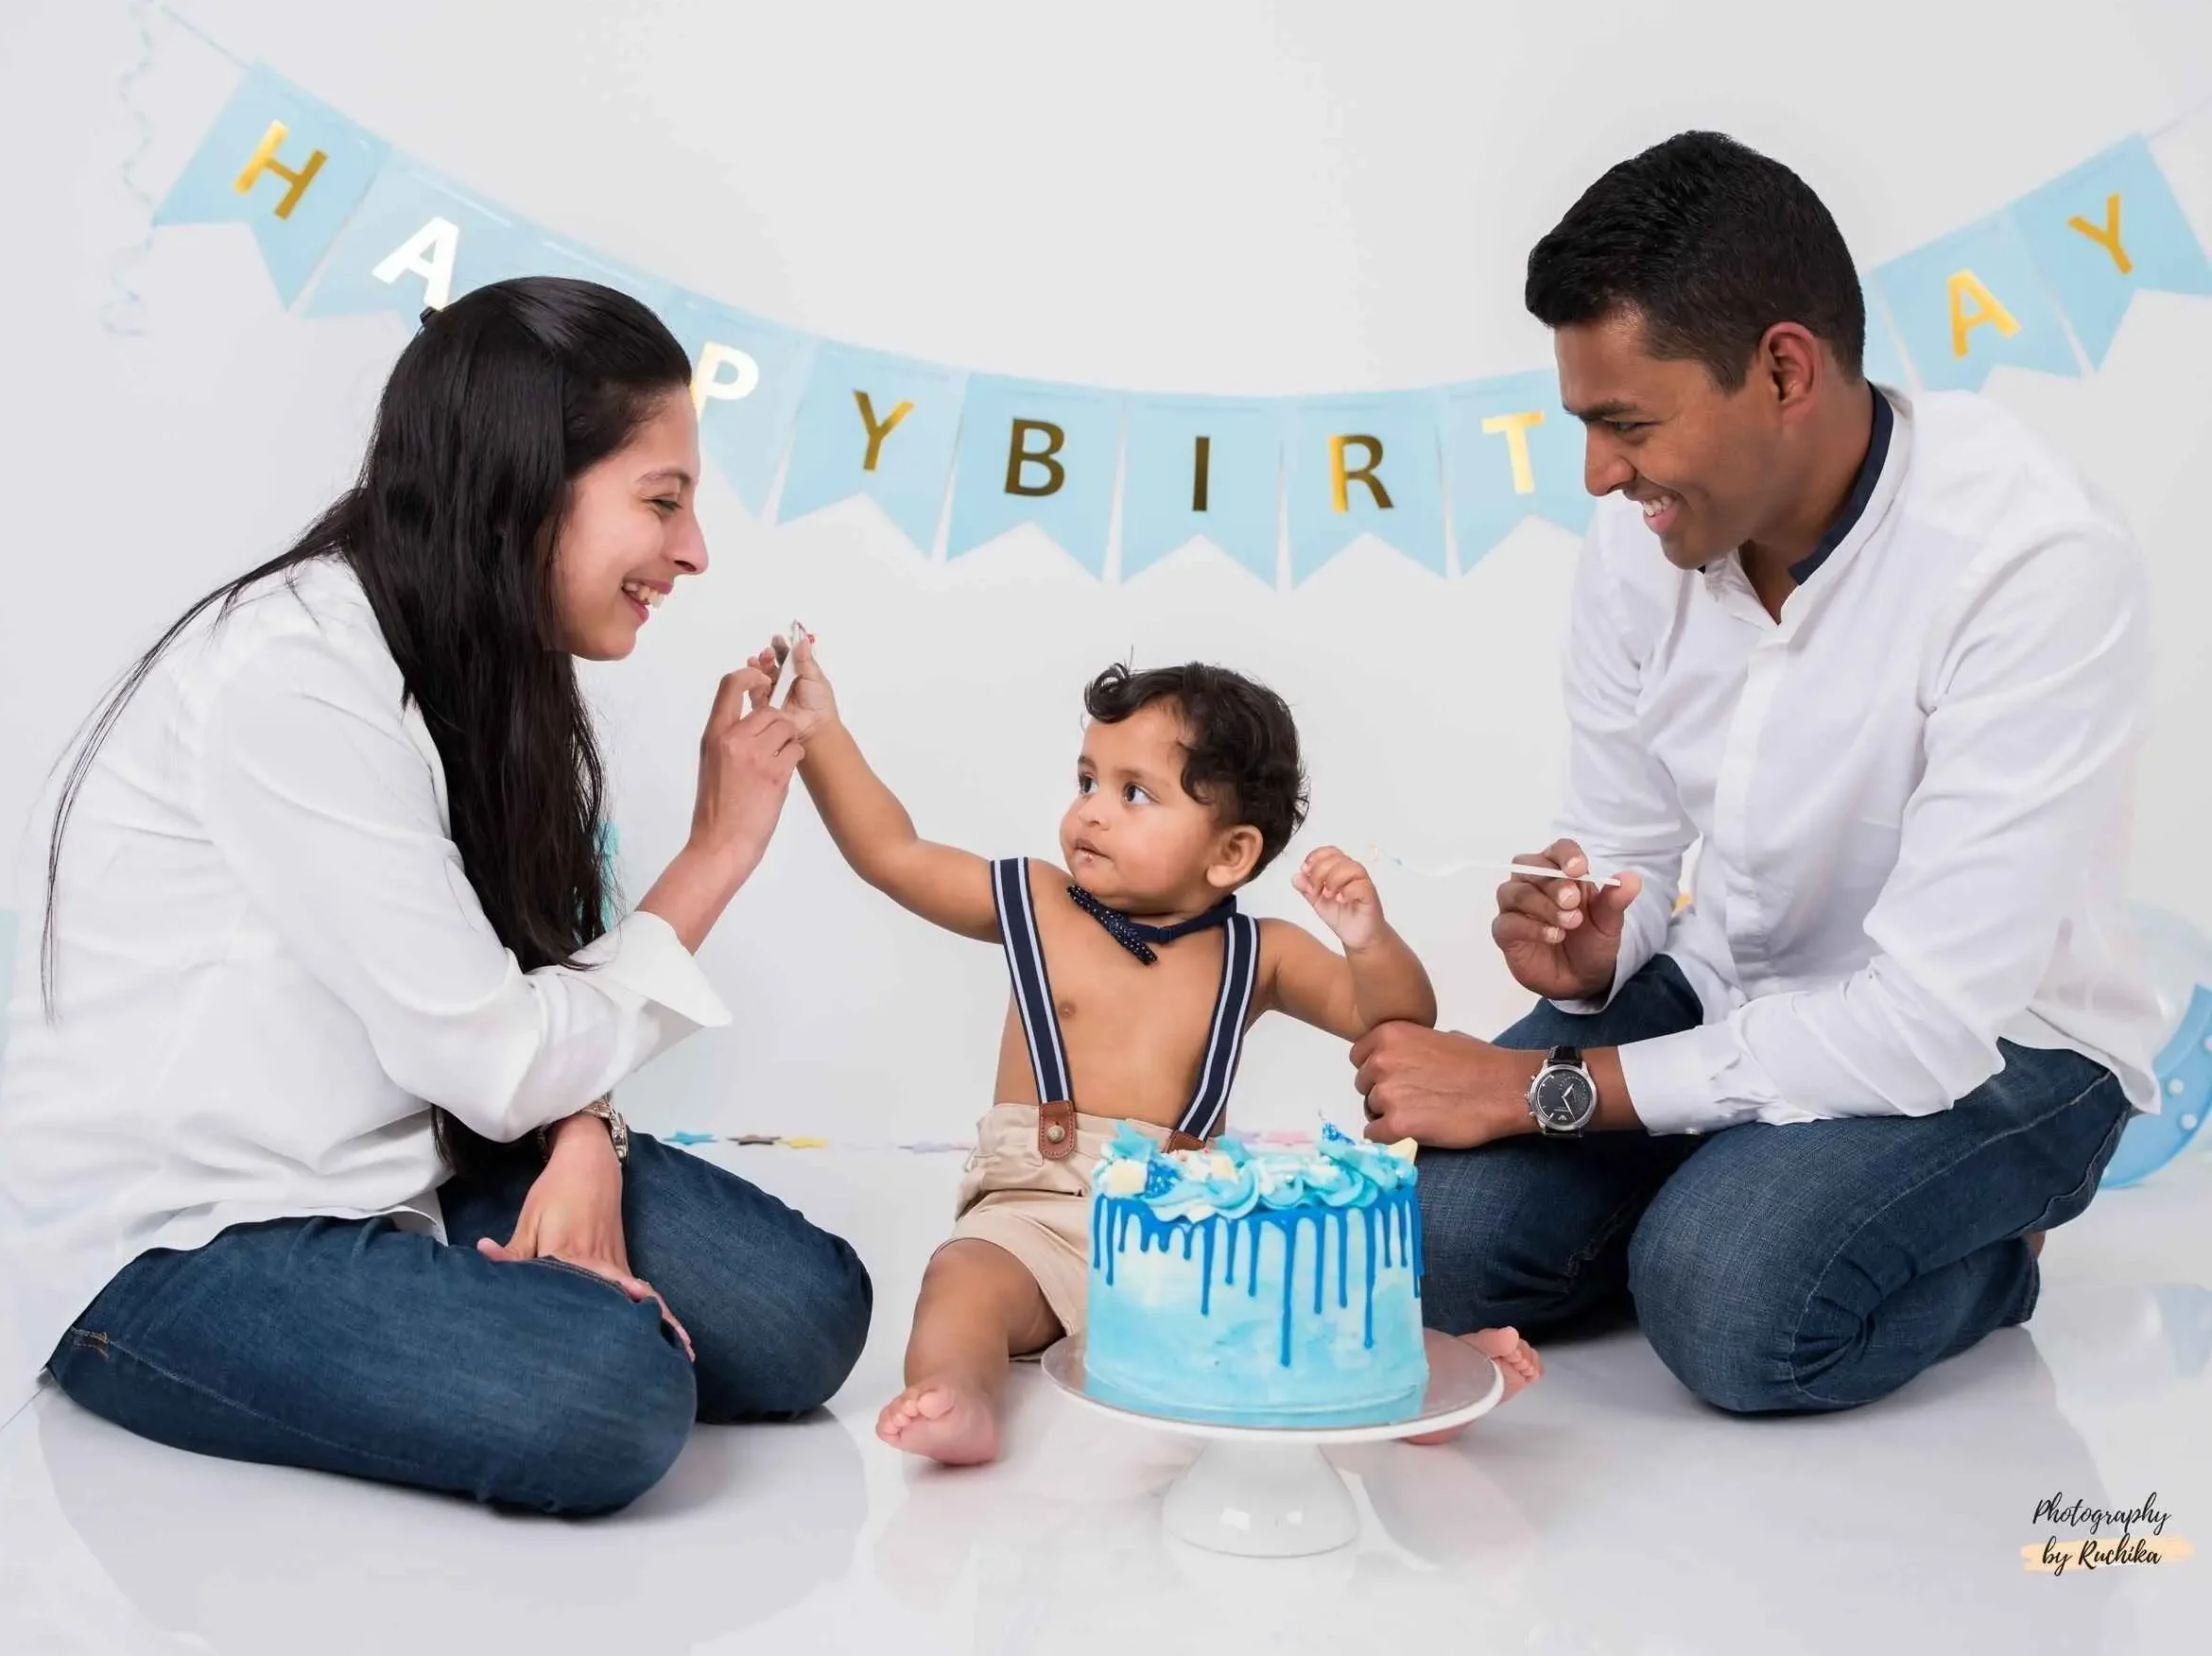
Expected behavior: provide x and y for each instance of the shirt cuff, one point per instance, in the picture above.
(1675, 1081)
(643, 956)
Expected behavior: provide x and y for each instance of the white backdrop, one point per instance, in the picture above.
(1235, 197)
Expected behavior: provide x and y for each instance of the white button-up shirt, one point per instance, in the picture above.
(271, 966)
(1911, 790)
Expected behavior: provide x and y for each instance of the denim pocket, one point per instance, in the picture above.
(578, 1270)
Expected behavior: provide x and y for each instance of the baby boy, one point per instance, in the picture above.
(1134, 980)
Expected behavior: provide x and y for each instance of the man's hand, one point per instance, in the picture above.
(573, 1214)
(1442, 1089)
(1561, 939)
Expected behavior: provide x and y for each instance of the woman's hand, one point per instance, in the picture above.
(745, 761)
(573, 1214)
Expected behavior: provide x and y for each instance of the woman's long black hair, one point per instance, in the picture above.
(494, 410)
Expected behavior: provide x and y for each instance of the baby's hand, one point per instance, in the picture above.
(810, 703)
(1344, 895)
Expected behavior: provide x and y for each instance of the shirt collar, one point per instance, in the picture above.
(1862, 488)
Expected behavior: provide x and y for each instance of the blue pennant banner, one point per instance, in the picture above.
(418, 242)
(1973, 301)
(747, 377)
(1364, 466)
(340, 218)
(525, 254)
(1036, 453)
(1203, 468)
(1883, 363)
(1510, 452)
(877, 425)
(2106, 232)
(290, 168)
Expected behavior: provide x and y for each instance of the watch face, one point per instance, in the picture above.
(1563, 1098)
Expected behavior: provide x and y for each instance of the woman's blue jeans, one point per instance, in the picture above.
(1815, 1265)
(358, 1347)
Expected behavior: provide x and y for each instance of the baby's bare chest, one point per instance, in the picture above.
(1135, 1034)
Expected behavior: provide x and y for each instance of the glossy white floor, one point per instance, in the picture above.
(1602, 1512)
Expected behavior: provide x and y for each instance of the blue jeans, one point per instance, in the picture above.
(353, 1346)
(1816, 1265)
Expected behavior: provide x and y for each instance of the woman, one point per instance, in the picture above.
(304, 1149)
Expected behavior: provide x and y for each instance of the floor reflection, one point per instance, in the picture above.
(260, 1561)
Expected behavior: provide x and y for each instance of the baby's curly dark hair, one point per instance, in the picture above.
(1242, 743)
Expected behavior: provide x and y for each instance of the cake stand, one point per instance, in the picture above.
(1268, 1491)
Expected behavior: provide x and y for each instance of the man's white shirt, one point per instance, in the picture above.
(1912, 790)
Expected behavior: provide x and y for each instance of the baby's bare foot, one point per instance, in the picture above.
(949, 1420)
(1516, 1359)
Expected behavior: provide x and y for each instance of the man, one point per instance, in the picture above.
(1884, 660)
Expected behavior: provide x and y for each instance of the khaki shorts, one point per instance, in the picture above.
(1038, 1211)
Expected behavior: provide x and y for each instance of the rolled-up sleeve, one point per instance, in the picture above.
(2038, 692)
(329, 815)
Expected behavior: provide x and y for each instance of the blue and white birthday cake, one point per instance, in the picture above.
(1257, 1288)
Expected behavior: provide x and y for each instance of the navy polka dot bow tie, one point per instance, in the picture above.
(1138, 937)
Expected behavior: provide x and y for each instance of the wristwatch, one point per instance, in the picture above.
(1562, 1097)
(617, 1129)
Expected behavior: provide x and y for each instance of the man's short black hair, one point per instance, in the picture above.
(1240, 743)
(1711, 244)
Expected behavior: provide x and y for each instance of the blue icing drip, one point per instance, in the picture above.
(1343, 1259)
(1413, 1226)
(1366, 1218)
(1395, 1241)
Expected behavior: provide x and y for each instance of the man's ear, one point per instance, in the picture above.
(1795, 362)
(1237, 853)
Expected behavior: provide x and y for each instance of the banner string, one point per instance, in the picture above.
(123, 313)
(194, 31)
(2188, 114)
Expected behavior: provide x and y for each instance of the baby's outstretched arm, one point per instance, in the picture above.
(941, 883)
(1377, 979)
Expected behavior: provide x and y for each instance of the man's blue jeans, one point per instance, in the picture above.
(1815, 1265)
(358, 1347)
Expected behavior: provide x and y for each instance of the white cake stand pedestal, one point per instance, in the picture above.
(1268, 1491)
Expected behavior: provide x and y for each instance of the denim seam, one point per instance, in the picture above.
(1797, 1330)
(1581, 1259)
(106, 1342)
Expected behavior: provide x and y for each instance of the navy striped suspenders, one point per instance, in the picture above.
(1202, 1117)
(1032, 992)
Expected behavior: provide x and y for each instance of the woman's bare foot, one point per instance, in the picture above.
(952, 1421)
(1516, 1359)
